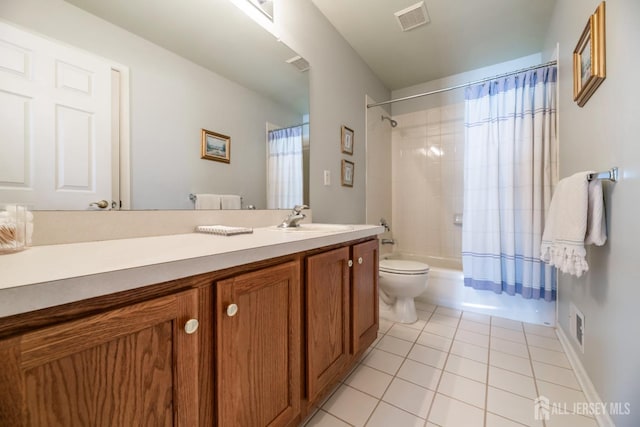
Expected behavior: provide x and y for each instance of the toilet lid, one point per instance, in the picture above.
(403, 266)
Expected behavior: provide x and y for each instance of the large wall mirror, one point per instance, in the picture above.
(174, 69)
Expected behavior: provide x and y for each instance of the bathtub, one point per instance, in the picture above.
(446, 288)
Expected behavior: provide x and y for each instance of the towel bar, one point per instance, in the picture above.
(610, 175)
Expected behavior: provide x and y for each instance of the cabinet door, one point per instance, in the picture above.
(258, 347)
(130, 366)
(364, 296)
(327, 322)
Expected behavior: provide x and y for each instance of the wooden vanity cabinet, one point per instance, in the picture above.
(129, 366)
(341, 307)
(258, 333)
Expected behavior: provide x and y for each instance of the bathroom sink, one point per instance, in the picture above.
(317, 228)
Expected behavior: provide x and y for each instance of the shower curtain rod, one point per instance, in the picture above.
(488, 79)
(291, 127)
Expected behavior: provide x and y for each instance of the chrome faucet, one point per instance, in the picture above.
(293, 219)
(383, 222)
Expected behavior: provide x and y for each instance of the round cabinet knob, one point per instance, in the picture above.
(350, 263)
(191, 326)
(232, 310)
(360, 260)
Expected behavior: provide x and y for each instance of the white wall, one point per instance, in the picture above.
(602, 134)
(339, 82)
(172, 99)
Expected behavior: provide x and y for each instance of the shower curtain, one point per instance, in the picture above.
(284, 168)
(510, 168)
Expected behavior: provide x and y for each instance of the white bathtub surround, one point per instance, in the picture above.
(446, 288)
(510, 170)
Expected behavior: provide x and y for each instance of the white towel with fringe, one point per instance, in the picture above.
(576, 218)
(230, 201)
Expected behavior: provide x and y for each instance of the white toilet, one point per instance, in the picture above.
(400, 282)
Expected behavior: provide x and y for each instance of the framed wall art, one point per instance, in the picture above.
(215, 146)
(589, 68)
(347, 173)
(346, 138)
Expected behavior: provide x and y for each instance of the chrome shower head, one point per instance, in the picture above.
(393, 122)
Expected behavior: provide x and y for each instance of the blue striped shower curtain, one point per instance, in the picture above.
(510, 169)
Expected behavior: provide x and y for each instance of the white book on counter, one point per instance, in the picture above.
(223, 230)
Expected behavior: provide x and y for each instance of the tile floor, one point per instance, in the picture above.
(459, 369)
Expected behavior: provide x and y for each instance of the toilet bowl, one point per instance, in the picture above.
(400, 282)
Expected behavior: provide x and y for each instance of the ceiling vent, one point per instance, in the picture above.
(413, 16)
(299, 62)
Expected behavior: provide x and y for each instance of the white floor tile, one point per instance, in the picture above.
(424, 315)
(428, 356)
(425, 306)
(386, 415)
(544, 342)
(476, 317)
(439, 329)
(474, 338)
(420, 374)
(384, 325)
(478, 328)
(410, 397)
(506, 323)
(369, 380)
(510, 362)
(383, 361)
(470, 351)
(508, 334)
(418, 324)
(510, 381)
(403, 332)
(445, 320)
(570, 420)
(563, 397)
(511, 347)
(555, 375)
(448, 311)
(494, 420)
(512, 406)
(394, 345)
(350, 405)
(324, 419)
(464, 389)
(549, 356)
(434, 341)
(467, 368)
(545, 331)
(451, 412)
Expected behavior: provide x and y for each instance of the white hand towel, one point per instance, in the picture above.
(576, 217)
(230, 201)
(208, 201)
(596, 224)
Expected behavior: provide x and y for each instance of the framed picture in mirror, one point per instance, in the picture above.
(589, 69)
(347, 173)
(346, 140)
(215, 146)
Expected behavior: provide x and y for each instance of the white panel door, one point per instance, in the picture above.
(55, 123)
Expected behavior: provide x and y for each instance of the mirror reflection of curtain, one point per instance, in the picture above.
(284, 168)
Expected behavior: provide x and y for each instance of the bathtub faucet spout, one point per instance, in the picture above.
(388, 242)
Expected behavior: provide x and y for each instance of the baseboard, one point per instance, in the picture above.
(589, 390)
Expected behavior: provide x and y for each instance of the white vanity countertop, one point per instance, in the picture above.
(45, 276)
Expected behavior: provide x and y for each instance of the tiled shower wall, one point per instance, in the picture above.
(427, 181)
